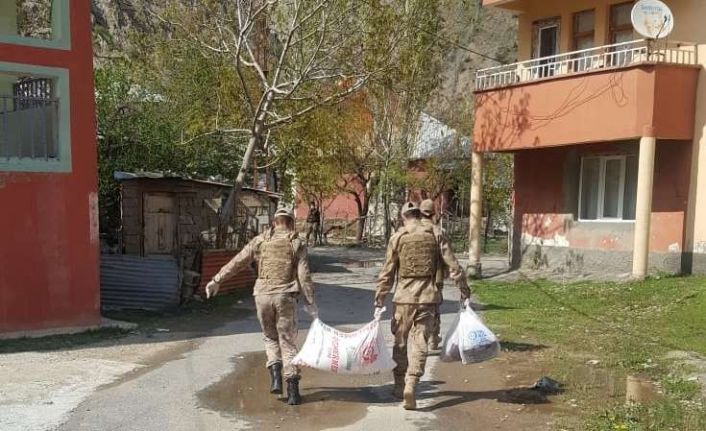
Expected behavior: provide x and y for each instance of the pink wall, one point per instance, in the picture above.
(342, 207)
(583, 108)
(545, 203)
(49, 274)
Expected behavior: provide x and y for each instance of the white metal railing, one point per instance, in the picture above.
(600, 58)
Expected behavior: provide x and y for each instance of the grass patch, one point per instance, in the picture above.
(623, 329)
(496, 245)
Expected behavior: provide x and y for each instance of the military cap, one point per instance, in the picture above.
(427, 207)
(285, 212)
(409, 207)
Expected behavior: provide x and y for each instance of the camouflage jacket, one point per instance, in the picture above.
(417, 290)
(301, 277)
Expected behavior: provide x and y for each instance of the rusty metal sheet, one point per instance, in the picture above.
(139, 283)
(213, 260)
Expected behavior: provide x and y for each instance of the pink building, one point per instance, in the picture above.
(607, 133)
(48, 174)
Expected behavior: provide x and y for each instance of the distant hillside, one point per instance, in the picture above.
(112, 22)
(488, 31)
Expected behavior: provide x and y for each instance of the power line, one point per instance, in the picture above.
(443, 39)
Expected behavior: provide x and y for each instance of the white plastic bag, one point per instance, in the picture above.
(359, 352)
(469, 340)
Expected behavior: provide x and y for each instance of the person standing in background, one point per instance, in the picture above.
(313, 223)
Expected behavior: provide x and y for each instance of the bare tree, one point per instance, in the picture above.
(290, 58)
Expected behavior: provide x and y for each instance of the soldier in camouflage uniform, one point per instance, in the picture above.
(413, 256)
(283, 277)
(428, 219)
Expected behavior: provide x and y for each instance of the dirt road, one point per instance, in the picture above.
(198, 379)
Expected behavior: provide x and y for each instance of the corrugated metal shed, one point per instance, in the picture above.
(139, 283)
(213, 260)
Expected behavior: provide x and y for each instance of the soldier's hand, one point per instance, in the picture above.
(377, 314)
(212, 289)
(312, 310)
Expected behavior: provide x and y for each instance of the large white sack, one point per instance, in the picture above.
(359, 352)
(469, 340)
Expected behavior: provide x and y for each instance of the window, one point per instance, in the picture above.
(620, 23)
(43, 23)
(583, 36)
(584, 29)
(28, 120)
(545, 44)
(34, 119)
(608, 188)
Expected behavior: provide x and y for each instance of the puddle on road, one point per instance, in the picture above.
(329, 400)
(491, 395)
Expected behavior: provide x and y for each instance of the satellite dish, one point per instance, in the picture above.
(652, 19)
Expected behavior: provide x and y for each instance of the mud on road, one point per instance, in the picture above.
(481, 396)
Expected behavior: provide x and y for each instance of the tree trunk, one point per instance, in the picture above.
(386, 209)
(256, 136)
(488, 223)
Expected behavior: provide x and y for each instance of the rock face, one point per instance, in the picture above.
(112, 22)
(488, 31)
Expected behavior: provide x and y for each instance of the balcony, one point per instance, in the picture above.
(608, 93)
(585, 61)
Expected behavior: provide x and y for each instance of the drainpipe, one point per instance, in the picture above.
(476, 214)
(643, 210)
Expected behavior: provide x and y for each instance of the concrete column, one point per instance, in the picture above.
(643, 210)
(476, 215)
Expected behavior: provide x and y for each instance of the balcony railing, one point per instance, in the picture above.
(588, 60)
(28, 128)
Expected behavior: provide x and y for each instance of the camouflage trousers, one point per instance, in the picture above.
(436, 333)
(412, 325)
(278, 317)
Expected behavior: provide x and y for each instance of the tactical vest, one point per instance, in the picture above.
(419, 254)
(276, 264)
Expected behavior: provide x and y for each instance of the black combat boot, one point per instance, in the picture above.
(276, 374)
(293, 397)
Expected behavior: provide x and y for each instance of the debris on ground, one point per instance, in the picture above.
(548, 385)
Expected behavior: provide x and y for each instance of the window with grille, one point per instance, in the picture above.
(35, 118)
(29, 120)
(608, 187)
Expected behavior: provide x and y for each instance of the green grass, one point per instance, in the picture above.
(628, 328)
(494, 246)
